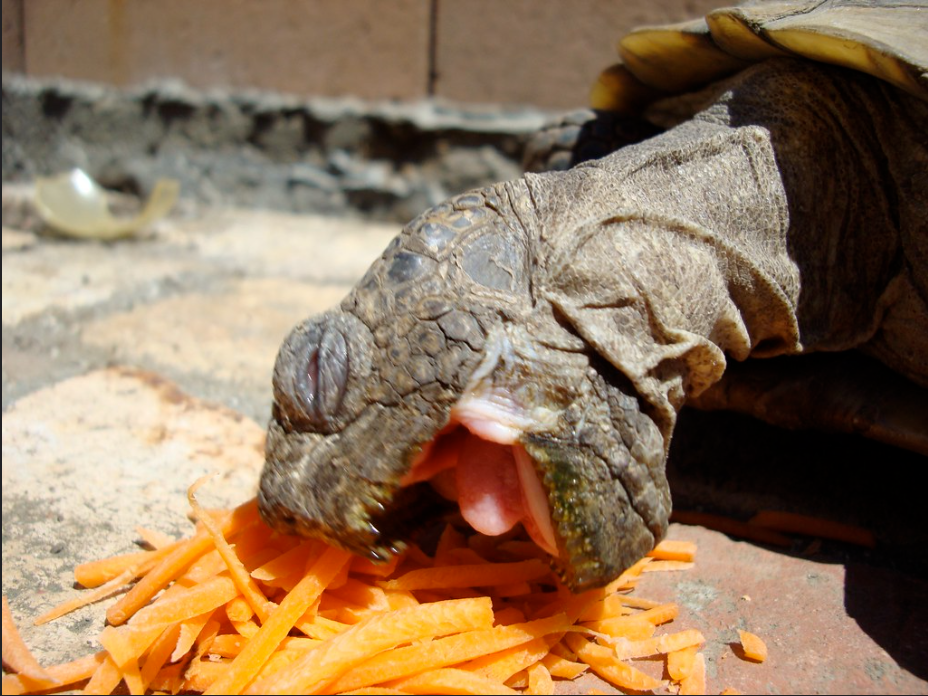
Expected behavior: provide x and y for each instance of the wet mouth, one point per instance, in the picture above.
(478, 462)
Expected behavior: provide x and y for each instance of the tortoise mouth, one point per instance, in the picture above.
(480, 465)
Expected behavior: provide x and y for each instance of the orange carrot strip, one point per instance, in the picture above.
(190, 630)
(539, 680)
(450, 539)
(154, 538)
(508, 616)
(169, 680)
(452, 681)
(442, 652)
(186, 603)
(104, 679)
(632, 626)
(603, 661)
(246, 586)
(628, 576)
(132, 677)
(673, 550)
(680, 662)
(125, 643)
(476, 575)
(658, 645)
(365, 566)
(633, 629)
(637, 602)
(246, 665)
(82, 600)
(502, 665)
(606, 608)
(158, 655)
(96, 573)
(754, 648)
(375, 691)
(732, 527)
(320, 666)
(286, 565)
(695, 681)
(659, 566)
(18, 657)
(65, 674)
(562, 667)
(363, 595)
(237, 609)
(175, 563)
(807, 525)
(202, 674)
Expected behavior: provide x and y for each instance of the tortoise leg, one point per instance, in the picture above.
(583, 135)
(842, 392)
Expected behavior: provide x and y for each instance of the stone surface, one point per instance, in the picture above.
(120, 392)
(227, 148)
(88, 459)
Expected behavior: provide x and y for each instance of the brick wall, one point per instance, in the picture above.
(538, 52)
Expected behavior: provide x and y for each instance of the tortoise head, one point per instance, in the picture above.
(443, 378)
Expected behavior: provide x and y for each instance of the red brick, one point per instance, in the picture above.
(364, 48)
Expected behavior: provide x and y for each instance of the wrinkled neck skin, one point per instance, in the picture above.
(549, 329)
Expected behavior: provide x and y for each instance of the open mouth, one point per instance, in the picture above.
(478, 462)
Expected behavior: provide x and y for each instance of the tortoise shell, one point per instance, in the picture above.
(884, 38)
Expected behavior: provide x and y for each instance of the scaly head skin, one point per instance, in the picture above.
(450, 319)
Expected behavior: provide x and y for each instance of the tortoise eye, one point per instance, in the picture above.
(318, 368)
(320, 385)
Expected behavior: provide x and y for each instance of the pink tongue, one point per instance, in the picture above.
(488, 488)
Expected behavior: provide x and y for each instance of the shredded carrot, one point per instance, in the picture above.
(236, 608)
(65, 674)
(695, 681)
(806, 525)
(175, 563)
(658, 645)
(754, 648)
(103, 591)
(442, 652)
(95, 573)
(539, 680)
(603, 661)
(246, 586)
(660, 566)
(481, 575)
(670, 550)
(373, 635)
(562, 667)
(18, 658)
(246, 664)
(680, 662)
(154, 538)
(452, 681)
(733, 527)
(730, 691)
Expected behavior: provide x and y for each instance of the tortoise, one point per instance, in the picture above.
(523, 350)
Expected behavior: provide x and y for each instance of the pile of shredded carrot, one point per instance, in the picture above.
(238, 608)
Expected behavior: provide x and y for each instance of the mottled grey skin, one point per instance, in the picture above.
(787, 215)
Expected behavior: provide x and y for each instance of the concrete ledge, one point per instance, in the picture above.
(386, 160)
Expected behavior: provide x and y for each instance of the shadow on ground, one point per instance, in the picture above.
(734, 465)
